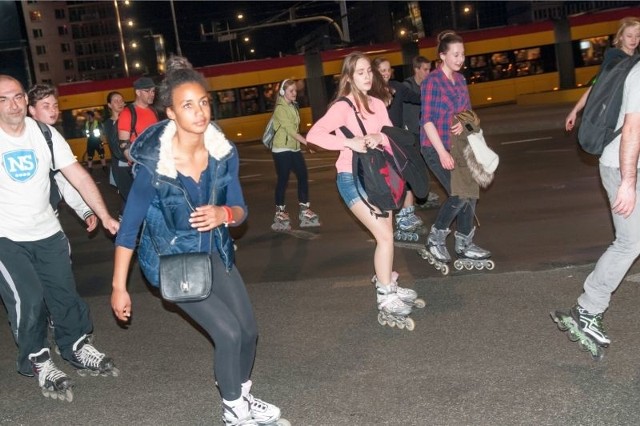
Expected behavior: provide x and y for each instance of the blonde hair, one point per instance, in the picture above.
(630, 21)
(346, 86)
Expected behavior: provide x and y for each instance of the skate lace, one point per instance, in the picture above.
(48, 371)
(89, 356)
(309, 214)
(282, 216)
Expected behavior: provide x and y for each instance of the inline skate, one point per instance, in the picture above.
(392, 310)
(308, 218)
(435, 252)
(407, 295)
(584, 328)
(262, 412)
(470, 255)
(237, 413)
(407, 225)
(88, 360)
(432, 202)
(53, 382)
(281, 221)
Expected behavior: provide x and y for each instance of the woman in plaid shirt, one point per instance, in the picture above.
(444, 93)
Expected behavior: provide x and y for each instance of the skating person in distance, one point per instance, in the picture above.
(287, 157)
(355, 82)
(444, 93)
(625, 44)
(619, 175)
(37, 276)
(187, 191)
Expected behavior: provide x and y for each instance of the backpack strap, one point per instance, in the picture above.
(134, 119)
(54, 192)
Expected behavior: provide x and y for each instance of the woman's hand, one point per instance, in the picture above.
(205, 218)
(446, 160)
(456, 129)
(121, 304)
(356, 144)
(372, 141)
(570, 121)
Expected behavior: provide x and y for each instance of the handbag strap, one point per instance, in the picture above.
(355, 111)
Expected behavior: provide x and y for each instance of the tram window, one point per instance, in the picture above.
(528, 62)
(225, 105)
(71, 122)
(249, 101)
(592, 50)
(269, 92)
(476, 70)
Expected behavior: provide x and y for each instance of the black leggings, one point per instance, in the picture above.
(285, 162)
(227, 317)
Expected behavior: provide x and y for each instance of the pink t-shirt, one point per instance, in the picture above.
(341, 114)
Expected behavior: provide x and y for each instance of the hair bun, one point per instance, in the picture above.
(444, 34)
(176, 63)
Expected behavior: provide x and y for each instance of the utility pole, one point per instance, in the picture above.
(175, 29)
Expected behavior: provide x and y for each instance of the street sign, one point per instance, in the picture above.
(227, 37)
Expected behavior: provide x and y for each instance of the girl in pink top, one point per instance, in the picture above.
(355, 82)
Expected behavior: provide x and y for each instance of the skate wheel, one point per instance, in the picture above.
(458, 264)
(490, 265)
(410, 324)
(381, 319)
(598, 355)
(431, 261)
(480, 266)
(415, 238)
(423, 254)
(573, 336)
(400, 325)
(558, 321)
(419, 303)
(445, 270)
(468, 266)
(68, 395)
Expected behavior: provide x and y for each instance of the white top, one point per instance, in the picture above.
(630, 103)
(25, 161)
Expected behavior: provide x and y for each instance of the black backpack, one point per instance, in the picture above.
(600, 115)
(54, 192)
(408, 159)
(379, 175)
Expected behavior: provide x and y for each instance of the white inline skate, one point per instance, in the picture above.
(89, 361)
(407, 295)
(392, 311)
(407, 225)
(470, 255)
(435, 252)
(281, 221)
(53, 382)
(262, 412)
(308, 218)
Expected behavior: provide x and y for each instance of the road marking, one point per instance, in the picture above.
(526, 140)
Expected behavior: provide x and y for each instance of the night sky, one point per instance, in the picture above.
(268, 42)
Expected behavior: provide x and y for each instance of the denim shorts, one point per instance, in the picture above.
(347, 189)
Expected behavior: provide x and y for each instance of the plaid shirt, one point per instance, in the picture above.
(441, 99)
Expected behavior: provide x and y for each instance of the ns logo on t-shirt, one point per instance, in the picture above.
(21, 165)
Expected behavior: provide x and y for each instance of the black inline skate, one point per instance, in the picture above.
(584, 328)
(88, 360)
(53, 382)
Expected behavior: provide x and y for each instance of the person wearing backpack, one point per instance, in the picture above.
(287, 157)
(43, 107)
(356, 80)
(444, 94)
(625, 44)
(136, 117)
(619, 175)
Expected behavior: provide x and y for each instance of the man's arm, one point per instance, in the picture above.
(629, 151)
(81, 180)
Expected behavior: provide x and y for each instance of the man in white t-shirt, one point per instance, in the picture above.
(618, 171)
(35, 269)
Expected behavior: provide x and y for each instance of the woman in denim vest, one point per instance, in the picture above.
(187, 191)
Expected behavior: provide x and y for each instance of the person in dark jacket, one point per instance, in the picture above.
(187, 191)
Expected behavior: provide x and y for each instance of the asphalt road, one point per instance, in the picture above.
(484, 351)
